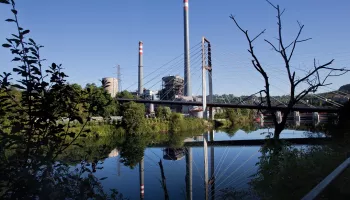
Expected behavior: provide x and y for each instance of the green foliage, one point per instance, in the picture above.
(105, 105)
(283, 169)
(133, 117)
(125, 95)
(32, 139)
(176, 122)
(163, 112)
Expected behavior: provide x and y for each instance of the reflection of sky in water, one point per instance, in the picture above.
(233, 168)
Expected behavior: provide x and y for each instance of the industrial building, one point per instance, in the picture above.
(172, 87)
(111, 86)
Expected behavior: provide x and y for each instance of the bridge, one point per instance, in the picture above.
(176, 91)
(230, 105)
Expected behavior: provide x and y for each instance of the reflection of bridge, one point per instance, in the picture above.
(256, 142)
(208, 143)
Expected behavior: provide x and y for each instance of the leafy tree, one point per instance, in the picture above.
(166, 112)
(176, 120)
(163, 112)
(133, 116)
(159, 112)
(125, 95)
(28, 151)
(99, 96)
(313, 78)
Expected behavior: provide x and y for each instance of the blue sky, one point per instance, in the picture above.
(89, 38)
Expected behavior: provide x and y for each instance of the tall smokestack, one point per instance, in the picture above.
(187, 73)
(140, 88)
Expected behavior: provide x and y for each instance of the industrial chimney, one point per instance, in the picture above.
(140, 88)
(187, 70)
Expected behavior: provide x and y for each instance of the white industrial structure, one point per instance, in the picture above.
(111, 85)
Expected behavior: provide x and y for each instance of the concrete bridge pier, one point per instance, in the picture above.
(296, 116)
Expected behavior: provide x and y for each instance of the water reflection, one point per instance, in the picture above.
(227, 173)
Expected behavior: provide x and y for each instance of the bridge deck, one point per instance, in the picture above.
(227, 105)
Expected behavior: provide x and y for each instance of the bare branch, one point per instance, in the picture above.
(318, 74)
(282, 12)
(256, 67)
(271, 4)
(324, 66)
(273, 46)
(299, 24)
(344, 72)
(258, 35)
(304, 40)
(233, 18)
(297, 41)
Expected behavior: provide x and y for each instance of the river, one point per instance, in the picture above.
(232, 167)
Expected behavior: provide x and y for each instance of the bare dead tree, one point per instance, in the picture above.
(286, 50)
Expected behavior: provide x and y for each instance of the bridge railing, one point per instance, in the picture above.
(316, 191)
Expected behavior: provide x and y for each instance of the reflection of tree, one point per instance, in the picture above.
(91, 149)
(246, 127)
(232, 130)
(289, 173)
(175, 140)
(132, 150)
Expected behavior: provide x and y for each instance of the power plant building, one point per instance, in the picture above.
(172, 87)
(111, 86)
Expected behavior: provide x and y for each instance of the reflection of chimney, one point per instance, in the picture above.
(140, 88)
(187, 74)
(142, 178)
(189, 173)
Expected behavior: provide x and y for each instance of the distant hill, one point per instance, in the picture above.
(345, 88)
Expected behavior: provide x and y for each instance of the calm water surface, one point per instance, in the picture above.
(231, 167)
